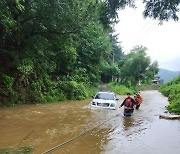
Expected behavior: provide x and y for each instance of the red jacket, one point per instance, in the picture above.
(138, 99)
(128, 102)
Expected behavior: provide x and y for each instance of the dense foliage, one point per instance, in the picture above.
(50, 50)
(53, 50)
(172, 91)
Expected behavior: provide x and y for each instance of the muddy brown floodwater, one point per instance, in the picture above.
(46, 126)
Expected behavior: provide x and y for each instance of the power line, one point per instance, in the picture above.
(77, 137)
(142, 34)
(139, 32)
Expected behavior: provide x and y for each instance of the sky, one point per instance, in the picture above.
(162, 41)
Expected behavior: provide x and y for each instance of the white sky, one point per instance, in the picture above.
(162, 41)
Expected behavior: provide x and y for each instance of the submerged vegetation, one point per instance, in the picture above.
(172, 91)
(56, 50)
(20, 150)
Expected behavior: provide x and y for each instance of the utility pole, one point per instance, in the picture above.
(113, 63)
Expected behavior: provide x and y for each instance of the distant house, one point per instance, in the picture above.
(157, 80)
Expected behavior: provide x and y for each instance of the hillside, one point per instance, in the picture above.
(167, 75)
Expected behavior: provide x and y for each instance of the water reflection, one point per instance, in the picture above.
(128, 123)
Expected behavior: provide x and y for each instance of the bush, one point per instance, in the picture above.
(7, 92)
(172, 91)
(120, 89)
(174, 107)
(76, 91)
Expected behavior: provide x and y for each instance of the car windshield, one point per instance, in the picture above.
(106, 96)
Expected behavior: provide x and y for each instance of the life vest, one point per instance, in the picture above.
(128, 102)
(138, 99)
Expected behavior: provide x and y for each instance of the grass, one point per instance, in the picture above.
(19, 150)
(172, 91)
(120, 89)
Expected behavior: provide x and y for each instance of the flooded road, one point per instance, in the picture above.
(100, 131)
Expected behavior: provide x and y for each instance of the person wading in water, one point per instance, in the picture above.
(138, 99)
(129, 104)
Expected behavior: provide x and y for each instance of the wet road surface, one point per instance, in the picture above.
(109, 132)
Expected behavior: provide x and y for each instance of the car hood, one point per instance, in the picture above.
(104, 101)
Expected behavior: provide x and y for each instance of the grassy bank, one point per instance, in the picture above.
(70, 91)
(120, 89)
(172, 91)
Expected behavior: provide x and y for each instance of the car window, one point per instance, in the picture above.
(106, 96)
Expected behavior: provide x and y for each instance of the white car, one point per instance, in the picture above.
(105, 100)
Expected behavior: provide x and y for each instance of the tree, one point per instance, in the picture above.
(151, 71)
(48, 46)
(135, 66)
(162, 9)
(157, 9)
(110, 69)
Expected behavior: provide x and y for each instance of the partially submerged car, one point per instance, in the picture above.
(105, 100)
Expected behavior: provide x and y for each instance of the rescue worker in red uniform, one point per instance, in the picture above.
(138, 99)
(129, 104)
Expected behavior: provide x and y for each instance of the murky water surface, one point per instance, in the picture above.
(46, 126)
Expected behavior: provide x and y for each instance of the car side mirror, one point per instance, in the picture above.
(117, 99)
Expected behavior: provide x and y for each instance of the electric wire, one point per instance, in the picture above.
(143, 35)
(77, 137)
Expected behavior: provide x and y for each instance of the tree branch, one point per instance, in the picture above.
(27, 19)
(56, 32)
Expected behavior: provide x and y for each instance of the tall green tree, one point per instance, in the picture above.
(136, 66)
(45, 43)
(110, 68)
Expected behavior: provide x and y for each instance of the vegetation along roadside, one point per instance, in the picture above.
(172, 91)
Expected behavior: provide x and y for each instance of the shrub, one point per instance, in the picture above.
(120, 89)
(174, 106)
(172, 91)
(73, 90)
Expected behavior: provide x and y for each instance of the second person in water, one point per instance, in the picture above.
(138, 99)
